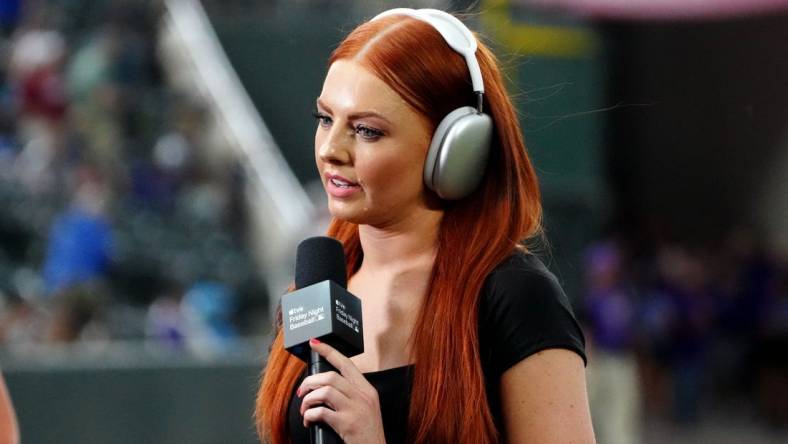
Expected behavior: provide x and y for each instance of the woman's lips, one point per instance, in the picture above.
(338, 186)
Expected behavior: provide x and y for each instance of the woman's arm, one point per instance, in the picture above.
(9, 430)
(544, 400)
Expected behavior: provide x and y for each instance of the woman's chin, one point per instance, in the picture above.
(349, 212)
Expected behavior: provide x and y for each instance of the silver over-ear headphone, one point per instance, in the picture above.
(458, 153)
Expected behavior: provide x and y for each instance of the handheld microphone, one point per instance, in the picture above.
(321, 307)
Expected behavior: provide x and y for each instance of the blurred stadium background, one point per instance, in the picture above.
(156, 173)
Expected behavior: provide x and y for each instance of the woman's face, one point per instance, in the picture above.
(370, 148)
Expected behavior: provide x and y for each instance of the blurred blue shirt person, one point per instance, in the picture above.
(79, 242)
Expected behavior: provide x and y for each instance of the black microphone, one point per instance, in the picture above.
(321, 307)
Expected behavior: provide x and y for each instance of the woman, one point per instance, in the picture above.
(468, 338)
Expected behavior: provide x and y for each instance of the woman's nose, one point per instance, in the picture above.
(336, 147)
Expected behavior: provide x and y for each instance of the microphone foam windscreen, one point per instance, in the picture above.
(318, 259)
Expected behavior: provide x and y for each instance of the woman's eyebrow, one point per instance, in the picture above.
(362, 114)
(320, 104)
(355, 115)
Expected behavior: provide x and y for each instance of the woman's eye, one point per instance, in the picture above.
(322, 119)
(367, 133)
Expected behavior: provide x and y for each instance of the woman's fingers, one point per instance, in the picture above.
(332, 379)
(338, 360)
(321, 414)
(327, 395)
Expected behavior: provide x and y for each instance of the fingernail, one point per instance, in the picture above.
(314, 341)
(298, 392)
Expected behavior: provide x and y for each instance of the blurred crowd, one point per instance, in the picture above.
(676, 330)
(117, 221)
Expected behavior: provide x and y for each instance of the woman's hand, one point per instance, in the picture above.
(354, 411)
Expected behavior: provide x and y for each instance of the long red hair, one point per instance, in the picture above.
(476, 234)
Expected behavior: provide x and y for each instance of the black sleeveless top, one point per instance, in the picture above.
(522, 310)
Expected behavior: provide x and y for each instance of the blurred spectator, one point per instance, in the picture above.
(159, 181)
(683, 280)
(96, 100)
(19, 320)
(165, 324)
(80, 239)
(657, 317)
(614, 389)
(208, 308)
(36, 80)
(43, 95)
(200, 320)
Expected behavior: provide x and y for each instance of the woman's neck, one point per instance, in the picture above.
(408, 242)
(392, 282)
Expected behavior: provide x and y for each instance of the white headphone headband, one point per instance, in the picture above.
(456, 34)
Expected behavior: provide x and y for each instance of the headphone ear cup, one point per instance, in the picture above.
(458, 153)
